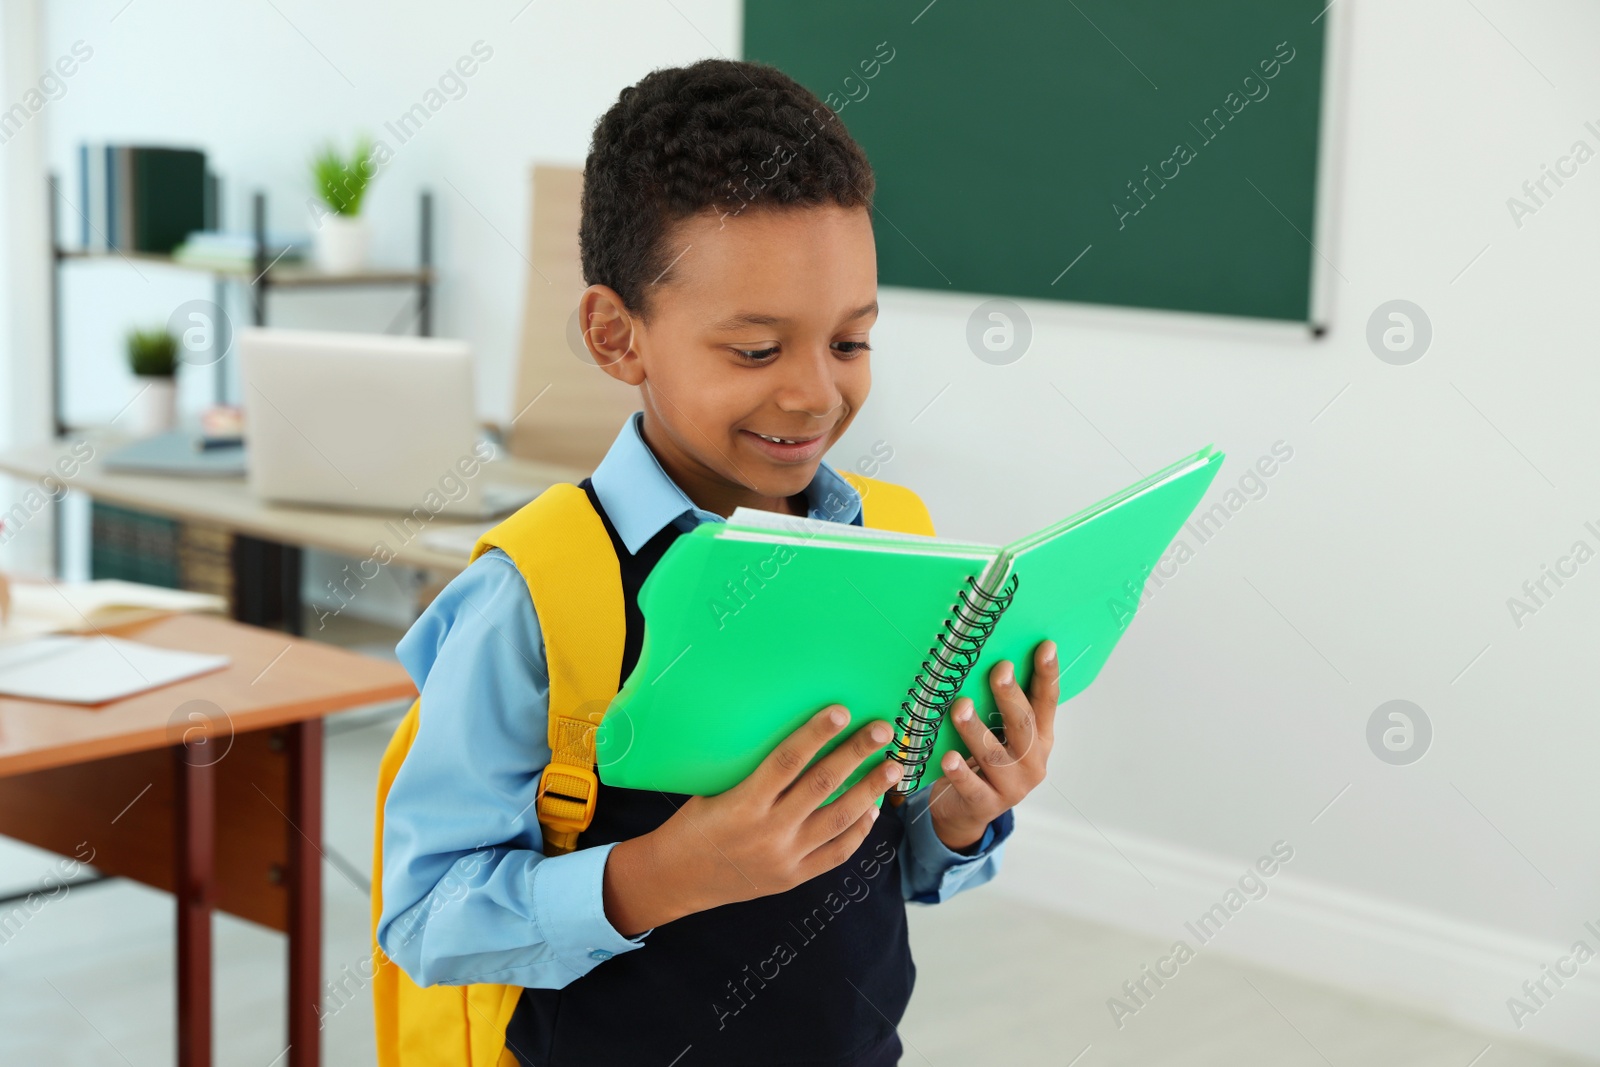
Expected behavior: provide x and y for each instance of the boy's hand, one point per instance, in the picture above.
(973, 792)
(765, 835)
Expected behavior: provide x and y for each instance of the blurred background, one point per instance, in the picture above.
(1350, 243)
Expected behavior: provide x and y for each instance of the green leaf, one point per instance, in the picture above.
(342, 181)
(153, 353)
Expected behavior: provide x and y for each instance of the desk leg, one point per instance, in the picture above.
(195, 812)
(305, 892)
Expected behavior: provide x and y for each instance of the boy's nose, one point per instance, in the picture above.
(810, 387)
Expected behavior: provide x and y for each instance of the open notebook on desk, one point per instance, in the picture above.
(57, 607)
(753, 625)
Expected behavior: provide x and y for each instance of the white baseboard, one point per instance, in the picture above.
(1370, 945)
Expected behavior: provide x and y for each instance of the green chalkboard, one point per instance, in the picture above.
(1146, 153)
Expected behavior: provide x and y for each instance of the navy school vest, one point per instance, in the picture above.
(817, 976)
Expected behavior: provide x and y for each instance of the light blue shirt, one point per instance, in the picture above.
(468, 896)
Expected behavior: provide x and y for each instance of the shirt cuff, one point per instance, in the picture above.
(932, 871)
(997, 830)
(569, 910)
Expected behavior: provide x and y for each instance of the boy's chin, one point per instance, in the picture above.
(782, 480)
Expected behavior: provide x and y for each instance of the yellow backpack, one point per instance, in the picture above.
(560, 546)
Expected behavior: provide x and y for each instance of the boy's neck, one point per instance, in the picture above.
(710, 493)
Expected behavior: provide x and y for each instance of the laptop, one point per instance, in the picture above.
(370, 422)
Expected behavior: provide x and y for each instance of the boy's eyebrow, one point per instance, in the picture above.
(751, 318)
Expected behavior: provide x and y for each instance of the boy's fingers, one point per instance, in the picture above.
(981, 741)
(824, 776)
(834, 852)
(1016, 714)
(969, 787)
(785, 762)
(1045, 690)
(836, 818)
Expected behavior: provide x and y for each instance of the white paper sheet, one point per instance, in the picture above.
(94, 670)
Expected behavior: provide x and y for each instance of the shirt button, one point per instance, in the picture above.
(599, 954)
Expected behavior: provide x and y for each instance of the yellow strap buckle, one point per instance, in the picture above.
(566, 797)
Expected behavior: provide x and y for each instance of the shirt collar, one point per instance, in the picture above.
(641, 499)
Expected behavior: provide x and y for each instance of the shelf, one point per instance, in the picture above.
(257, 283)
(286, 276)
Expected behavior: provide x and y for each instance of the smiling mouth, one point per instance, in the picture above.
(789, 450)
(787, 440)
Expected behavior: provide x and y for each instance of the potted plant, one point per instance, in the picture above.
(340, 235)
(153, 357)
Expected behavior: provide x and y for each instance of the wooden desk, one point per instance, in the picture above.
(210, 789)
(228, 502)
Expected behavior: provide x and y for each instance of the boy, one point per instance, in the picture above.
(727, 240)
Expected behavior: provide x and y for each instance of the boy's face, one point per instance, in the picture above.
(753, 363)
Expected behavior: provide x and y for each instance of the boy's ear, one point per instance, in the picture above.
(608, 333)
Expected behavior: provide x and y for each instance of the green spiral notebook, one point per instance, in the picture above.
(753, 625)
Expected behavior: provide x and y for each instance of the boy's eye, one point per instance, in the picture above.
(764, 355)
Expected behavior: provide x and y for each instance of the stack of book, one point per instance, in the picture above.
(237, 251)
(142, 198)
(205, 560)
(156, 550)
(133, 546)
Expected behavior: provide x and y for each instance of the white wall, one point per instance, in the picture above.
(1377, 565)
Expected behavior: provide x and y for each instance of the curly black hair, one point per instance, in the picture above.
(724, 135)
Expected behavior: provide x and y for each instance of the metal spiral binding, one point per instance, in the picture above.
(960, 641)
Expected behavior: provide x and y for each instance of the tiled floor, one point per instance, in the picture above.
(88, 979)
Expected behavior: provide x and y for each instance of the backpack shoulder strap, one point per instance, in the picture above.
(560, 545)
(886, 506)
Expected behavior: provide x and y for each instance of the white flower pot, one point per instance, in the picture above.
(339, 243)
(155, 408)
